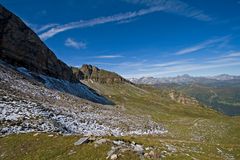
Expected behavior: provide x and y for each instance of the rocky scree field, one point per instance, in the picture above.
(27, 106)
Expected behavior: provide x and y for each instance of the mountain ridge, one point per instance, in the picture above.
(184, 79)
(21, 47)
(90, 72)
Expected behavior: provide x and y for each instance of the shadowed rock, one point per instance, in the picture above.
(20, 46)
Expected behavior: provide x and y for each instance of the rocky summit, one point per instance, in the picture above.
(89, 72)
(20, 46)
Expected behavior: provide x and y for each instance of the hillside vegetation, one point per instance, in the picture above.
(223, 96)
(186, 122)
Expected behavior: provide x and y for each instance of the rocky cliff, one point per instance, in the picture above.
(89, 72)
(181, 98)
(20, 46)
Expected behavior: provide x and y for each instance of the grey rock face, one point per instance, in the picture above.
(20, 46)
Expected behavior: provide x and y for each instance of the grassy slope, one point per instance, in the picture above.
(193, 130)
(28, 147)
(184, 122)
(181, 120)
(44, 147)
(223, 96)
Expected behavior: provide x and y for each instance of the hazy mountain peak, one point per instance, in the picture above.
(181, 79)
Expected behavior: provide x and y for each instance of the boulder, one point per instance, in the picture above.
(151, 154)
(113, 157)
(138, 148)
(82, 141)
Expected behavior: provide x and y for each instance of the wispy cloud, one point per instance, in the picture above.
(201, 46)
(120, 65)
(40, 28)
(152, 68)
(171, 63)
(196, 67)
(182, 68)
(175, 6)
(74, 44)
(168, 6)
(221, 60)
(126, 21)
(234, 54)
(97, 21)
(108, 56)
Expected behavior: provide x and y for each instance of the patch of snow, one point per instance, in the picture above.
(24, 71)
(77, 89)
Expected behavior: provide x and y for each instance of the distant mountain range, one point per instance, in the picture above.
(184, 79)
(221, 92)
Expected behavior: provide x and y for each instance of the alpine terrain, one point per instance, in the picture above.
(51, 110)
(221, 92)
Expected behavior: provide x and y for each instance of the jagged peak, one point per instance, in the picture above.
(90, 72)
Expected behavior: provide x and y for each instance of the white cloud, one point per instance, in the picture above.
(171, 63)
(202, 45)
(197, 67)
(102, 20)
(234, 54)
(40, 28)
(191, 49)
(180, 69)
(126, 21)
(74, 44)
(221, 60)
(121, 65)
(173, 6)
(108, 56)
(45, 27)
(151, 69)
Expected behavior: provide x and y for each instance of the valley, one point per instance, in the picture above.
(220, 93)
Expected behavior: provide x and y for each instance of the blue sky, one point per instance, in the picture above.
(138, 38)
